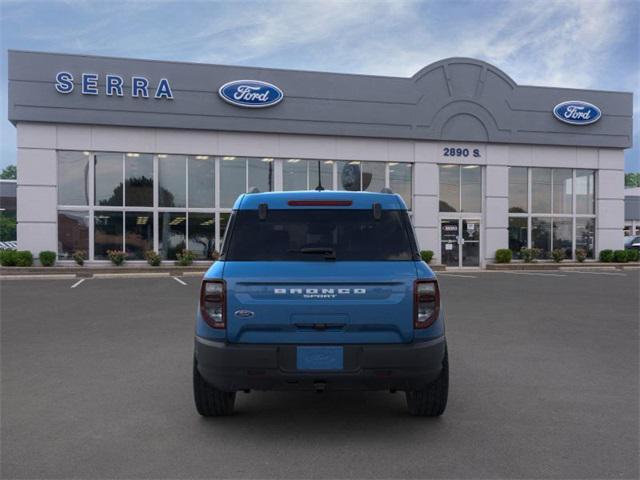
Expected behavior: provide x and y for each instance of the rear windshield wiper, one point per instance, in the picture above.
(329, 253)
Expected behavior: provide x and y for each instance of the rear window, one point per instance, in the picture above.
(319, 234)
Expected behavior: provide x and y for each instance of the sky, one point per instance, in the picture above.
(564, 43)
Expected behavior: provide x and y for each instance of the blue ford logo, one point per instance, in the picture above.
(250, 93)
(577, 112)
(244, 313)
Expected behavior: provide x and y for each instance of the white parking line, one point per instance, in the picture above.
(599, 273)
(455, 275)
(78, 283)
(179, 281)
(536, 273)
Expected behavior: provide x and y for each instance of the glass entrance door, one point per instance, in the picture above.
(449, 245)
(460, 242)
(470, 243)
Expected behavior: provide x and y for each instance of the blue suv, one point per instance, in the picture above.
(320, 290)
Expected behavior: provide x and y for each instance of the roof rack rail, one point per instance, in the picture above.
(254, 190)
(386, 190)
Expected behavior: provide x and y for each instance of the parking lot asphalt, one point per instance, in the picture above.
(96, 383)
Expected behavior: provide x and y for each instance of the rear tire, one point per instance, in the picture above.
(211, 402)
(432, 400)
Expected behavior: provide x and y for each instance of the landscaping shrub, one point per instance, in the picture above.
(620, 256)
(503, 255)
(8, 258)
(527, 254)
(558, 255)
(47, 258)
(633, 255)
(24, 258)
(606, 256)
(426, 255)
(581, 254)
(79, 256)
(153, 258)
(185, 258)
(117, 257)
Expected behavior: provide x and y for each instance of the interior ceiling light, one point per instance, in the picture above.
(470, 166)
(393, 164)
(133, 154)
(354, 163)
(162, 155)
(202, 157)
(228, 158)
(293, 160)
(267, 159)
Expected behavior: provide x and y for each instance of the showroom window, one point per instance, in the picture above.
(460, 188)
(357, 176)
(138, 201)
(551, 208)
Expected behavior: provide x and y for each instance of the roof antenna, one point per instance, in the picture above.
(319, 188)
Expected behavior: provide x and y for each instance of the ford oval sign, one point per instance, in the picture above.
(577, 112)
(251, 93)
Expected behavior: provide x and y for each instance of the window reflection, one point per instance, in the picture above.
(73, 178)
(202, 234)
(201, 182)
(449, 188)
(138, 171)
(541, 190)
(172, 188)
(294, 174)
(373, 176)
(73, 233)
(471, 188)
(518, 190)
(400, 180)
(517, 235)
(107, 233)
(585, 192)
(233, 180)
(562, 190)
(562, 235)
(172, 228)
(138, 234)
(585, 235)
(260, 174)
(541, 235)
(108, 179)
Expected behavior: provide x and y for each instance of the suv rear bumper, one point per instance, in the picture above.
(232, 367)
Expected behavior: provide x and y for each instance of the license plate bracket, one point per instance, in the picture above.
(320, 358)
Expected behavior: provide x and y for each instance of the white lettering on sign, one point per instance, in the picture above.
(577, 112)
(248, 93)
(113, 85)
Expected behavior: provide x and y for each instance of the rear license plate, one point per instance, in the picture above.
(320, 358)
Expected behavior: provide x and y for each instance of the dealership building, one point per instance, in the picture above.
(138, 155)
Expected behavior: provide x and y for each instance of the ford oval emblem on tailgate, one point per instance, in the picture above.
(244, 313)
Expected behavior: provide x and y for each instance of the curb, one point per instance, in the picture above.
(560, 266)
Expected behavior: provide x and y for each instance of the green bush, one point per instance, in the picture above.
(581, 254)
(606, 256)
(47, 258)
(620, 256)
(153, 258)
(185, 258)
(8, 258)
(558, 255)
(117, 257)
(80, 256)
(503, 255)
(633, 255)
(426, 255)
(527, 254)
(24, 258)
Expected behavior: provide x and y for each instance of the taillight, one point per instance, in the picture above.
(426, 305)
(213, 303)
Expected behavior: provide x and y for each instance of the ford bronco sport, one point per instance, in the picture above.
(320, 290)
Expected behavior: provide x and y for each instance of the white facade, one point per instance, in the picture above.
(37, 173)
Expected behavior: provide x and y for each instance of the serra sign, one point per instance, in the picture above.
(113, 85)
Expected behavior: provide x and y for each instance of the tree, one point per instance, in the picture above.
(632, 180)
(9, 173)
